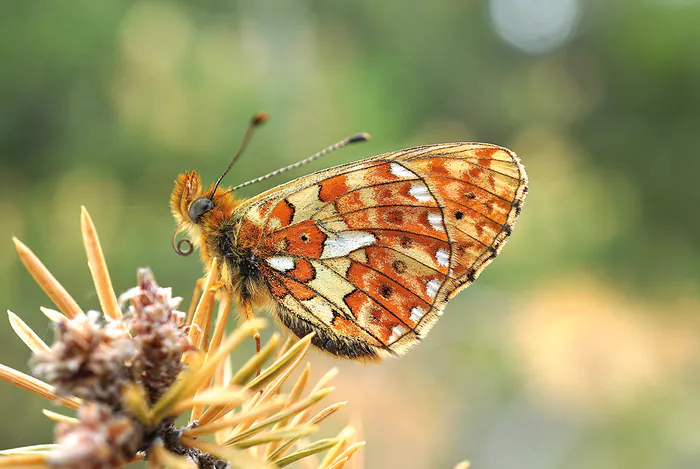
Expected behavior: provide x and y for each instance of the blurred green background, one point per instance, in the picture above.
(578, 348)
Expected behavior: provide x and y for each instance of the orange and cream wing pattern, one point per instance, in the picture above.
(367, 254)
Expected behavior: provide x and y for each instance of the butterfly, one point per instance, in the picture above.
(365, 254)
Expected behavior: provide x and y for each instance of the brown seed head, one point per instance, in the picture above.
(87, 360)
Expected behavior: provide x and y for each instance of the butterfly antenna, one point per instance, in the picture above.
(257, 120)
(361, 137)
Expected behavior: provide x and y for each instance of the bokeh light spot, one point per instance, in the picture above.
(535, 26)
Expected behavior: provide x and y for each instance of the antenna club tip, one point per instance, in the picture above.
(260, 118)
(361, 137)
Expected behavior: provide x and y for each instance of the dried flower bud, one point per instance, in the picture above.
(100, 440)
(87, 360)
(159, 334)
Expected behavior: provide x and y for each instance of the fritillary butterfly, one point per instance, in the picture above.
(366, 254)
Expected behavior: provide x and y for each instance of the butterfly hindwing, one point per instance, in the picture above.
(367, 254)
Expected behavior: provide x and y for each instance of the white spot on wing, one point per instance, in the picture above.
(281, 263)
(396, 332)
(420, 192)
(345, 242)
(416, 313)
(432, 287)
(442, 257)
(435, 220)
(399, 171)
(321, 308)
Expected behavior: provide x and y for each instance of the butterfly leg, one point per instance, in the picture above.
(195, 298)
(248, 315)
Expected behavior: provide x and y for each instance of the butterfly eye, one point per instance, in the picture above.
(199, 207)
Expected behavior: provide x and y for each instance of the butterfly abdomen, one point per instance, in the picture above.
(239, 265)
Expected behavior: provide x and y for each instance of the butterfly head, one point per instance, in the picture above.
(202, 212)
(198, 212)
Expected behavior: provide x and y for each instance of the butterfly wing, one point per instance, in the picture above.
(367, 254)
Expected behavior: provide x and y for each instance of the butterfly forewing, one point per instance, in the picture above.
(367, 254)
